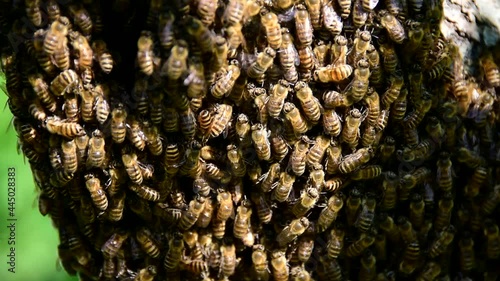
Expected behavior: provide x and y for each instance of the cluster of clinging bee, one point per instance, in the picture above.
(256, 140)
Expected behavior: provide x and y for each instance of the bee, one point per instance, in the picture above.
(394, 28)
(299, 156)
(417, 208)
(176, 64)
(61, 56)
(330, 19)
(145, 192)
(279, 147)
(260, 99)
(430, 272)
(332, 124)
(118, 123)
(66, 129)
(469, 158)
(288, 54)
(314, 8)
(306, 60)
(149, 246)
(187, 122)
(360, 245)
(333, 158)
(353, 203)
(359, 15)
(410, 258)
(388, 226)
(228, 260)
(70, 107)
(235, 39)
(259, 262)
(37, 111)
(115, 210)
(352, 161)
(41, 90)
(87, 106)
(200, 33)
(310, 104)
(345, 8)
(442, 241)
(145, 54)
(372, 100)
(445, 207)
(132, 167)
(112, 246)
(225, 207)
(269, 178)
(174, 253)
(475, 182)
(318, 150)
(368, 269)
(297, 121)
(303, 25)
(361, 45)
(235, 157)
(153, 139)
(413, 119)
(103, 56)
(135, 134)
(55, 35)
(166, 31)
(393, 92)
(260, 138)
(367, 172)
(207, 214)
(367, 214)
(467, 255)
(444, 172)
(225, 83)
(390, 58)
(308, 200)
(491, 70)
(279, 93)
(146, 274)
(350, 132)
(272, 28)
(398, 109)
(296, 228)
(191, 215)
(359, 86)
(242, 219)
(242, 127)
(215, 173)
(262, 63)
(329, 213)
(81, 18)
(96, 151)
(97, 194)
(234, 12)
(53, 10)
(279, 266)
(492, 201)
(64, 82)
(284, 187)
(206, 10)
(333, 73)
(491, 233)
(101, 109)
(82, 47)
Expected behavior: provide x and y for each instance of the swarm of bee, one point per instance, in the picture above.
(256, 140)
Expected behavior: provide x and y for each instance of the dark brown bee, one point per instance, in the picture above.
(143, 236)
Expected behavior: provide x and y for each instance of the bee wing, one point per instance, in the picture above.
(372, 4)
